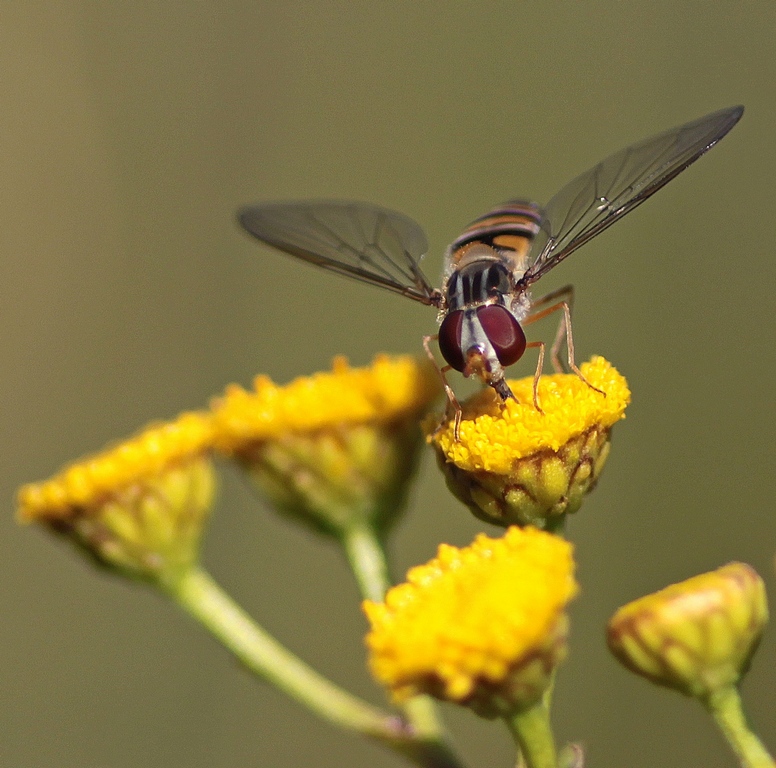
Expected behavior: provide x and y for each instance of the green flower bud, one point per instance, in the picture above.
(697, 636)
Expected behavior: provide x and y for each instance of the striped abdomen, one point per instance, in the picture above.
(511, 226)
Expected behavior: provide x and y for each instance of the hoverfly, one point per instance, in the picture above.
(485, 296)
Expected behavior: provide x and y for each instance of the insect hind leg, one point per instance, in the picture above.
(566, 296)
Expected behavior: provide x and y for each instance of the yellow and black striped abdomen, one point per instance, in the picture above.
(511, 227)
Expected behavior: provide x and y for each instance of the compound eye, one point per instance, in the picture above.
(503, 331)
(450, 339)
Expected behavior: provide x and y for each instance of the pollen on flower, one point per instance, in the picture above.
(513, 464)
(471, 625)
(89, 482)
(494, 435)
(391, 388)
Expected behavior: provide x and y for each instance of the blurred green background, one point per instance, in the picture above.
(130, 134)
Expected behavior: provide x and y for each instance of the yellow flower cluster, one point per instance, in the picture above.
(89, 482)
(516, 465)
(392, 388)
(337, 449)
(327, 448)
(476, 625)
(494, 435)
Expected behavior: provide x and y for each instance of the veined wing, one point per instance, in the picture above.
(596, 199)
(360, 240)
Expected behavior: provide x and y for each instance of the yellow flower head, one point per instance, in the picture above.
(482, 626)
(697, 636)
(389, 390)
(137, 507)
(513, 464)
(333, 447)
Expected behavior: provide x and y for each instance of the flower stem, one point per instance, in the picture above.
(199, 595)
(531, 731)
(202, 598)
(366, 557)
(727, 711)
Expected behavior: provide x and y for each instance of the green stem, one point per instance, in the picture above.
(200, 596)
(531, 731)
(366, 557)
(547, 695)
(727, 711)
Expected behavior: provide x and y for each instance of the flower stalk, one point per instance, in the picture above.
(199, 595)
(366, 556)
(531, 731)
(365, 552)
(725, 707)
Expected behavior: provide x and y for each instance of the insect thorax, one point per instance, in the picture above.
(479, 279)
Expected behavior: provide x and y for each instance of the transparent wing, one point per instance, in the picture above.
(614, 187)
(359, 240)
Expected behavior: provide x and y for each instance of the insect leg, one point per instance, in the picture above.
(566, 293)
(452, 400)
(566, 323)
(538, 373)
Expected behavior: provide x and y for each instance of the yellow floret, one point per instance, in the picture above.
(89, 482)
(392, 388)
(493, 435)
(466, 625)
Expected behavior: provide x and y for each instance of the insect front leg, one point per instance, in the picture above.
(537, 373)
(452, 401)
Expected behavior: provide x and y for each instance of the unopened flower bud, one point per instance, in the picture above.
(696, 636)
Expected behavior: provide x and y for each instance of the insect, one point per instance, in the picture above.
(485, 298)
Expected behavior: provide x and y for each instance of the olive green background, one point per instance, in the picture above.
(130, 134)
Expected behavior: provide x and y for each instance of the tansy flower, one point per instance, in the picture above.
(514, 464)
(483, 626)
(696, 636)
(138, 507)
(337, 448)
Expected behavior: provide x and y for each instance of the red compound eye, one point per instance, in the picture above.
(503, 332)
(450, 339)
